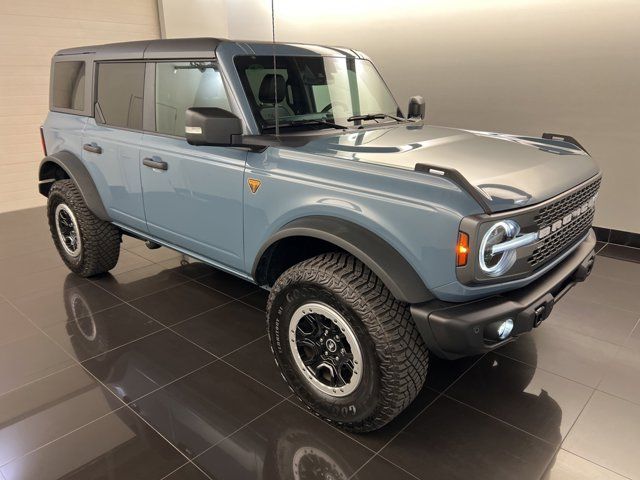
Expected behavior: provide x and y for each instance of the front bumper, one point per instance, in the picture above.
(453, 330)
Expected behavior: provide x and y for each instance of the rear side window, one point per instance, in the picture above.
(68, 85)
(182, 85)
(120, 94)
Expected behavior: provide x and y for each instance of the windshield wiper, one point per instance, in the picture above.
(374, 116)
(298, 123)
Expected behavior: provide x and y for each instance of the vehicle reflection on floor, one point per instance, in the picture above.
(283, 441)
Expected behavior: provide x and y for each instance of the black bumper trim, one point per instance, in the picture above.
(453, 330)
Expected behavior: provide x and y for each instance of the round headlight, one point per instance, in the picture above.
(495, 264)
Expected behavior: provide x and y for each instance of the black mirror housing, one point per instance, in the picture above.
(212, 126)
(417, 107)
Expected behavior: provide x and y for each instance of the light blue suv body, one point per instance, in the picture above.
(395, 194)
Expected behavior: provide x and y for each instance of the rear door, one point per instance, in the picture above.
(192, 195)
(111, 140)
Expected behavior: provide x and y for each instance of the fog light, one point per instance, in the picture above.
(504, 330)
(499, 330)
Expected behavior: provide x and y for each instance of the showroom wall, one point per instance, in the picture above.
(30, 32)
(516, 66)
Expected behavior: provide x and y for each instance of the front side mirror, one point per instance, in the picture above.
(417, 107)
(212, 126)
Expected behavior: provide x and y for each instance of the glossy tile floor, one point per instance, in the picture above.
(162, 370)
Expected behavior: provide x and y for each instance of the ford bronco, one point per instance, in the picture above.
(381, 239)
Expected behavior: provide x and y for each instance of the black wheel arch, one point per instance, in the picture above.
(332, 233)
(64, 164)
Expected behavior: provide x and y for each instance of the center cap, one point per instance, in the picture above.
(331, 345)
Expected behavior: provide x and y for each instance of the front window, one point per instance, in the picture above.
(182, 85)
(303, 89)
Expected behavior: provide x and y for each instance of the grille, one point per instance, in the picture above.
(558, 241)
(562, 207)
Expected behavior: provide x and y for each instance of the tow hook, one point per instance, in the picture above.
(584, 270)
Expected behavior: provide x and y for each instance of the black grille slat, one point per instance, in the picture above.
(558, 241)
(562, 207)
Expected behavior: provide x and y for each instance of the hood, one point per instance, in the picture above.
(510, 171)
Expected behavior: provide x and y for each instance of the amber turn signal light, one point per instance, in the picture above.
(462, 249)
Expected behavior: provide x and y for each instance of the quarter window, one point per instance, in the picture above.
(182, 85)
(68, 85)
(120, 94)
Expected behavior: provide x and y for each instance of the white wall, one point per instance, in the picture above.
(193, 18)
(30, 32)
(516, 66)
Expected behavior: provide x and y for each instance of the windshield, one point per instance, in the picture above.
(303, 90)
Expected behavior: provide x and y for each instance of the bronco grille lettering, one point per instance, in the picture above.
(567, 219)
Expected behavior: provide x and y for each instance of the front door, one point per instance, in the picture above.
(192, 195)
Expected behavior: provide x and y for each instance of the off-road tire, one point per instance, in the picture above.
(100, 240)
(394, 355)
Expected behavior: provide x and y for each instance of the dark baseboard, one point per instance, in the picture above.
(617, 237)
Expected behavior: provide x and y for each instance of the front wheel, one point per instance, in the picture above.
(87, 245)
(346, 347)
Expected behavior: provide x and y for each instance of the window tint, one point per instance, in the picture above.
(181, 85)
(68, 85)
(120, 94)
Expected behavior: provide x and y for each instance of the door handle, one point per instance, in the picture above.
(92, 147)
(158, 164)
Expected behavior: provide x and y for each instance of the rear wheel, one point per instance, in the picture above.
(87, 245)
(346, 347)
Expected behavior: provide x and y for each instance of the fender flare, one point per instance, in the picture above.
(76, 171)
(383, 259)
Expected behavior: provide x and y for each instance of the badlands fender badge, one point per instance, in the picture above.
(254, 184)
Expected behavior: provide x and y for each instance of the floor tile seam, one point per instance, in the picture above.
(197, 280)
(190, 462)
(592, 462)
(175, 380)
(226, 437)
(99, 382)
(504, 422)
(432, 402)
(96, 283)
(243, 346)
(602, 247)
(111, 350)
(635, 327)
(546, 370)
(294, 400)
(81, 317)
(615, 279)
(379, 455)
(43, 332)
(169, 328)
(38, 272)
(60, 437)
(251, 306)
(190, 280)
(76, 360)
(217, 307)
(593, 302)
(254, 379)
(37, 379)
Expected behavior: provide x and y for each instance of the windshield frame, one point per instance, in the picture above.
(297, 123)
